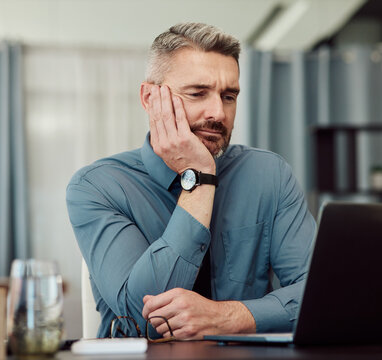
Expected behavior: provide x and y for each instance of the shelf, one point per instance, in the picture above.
(346, 127)
(344, 193)
(325, 136)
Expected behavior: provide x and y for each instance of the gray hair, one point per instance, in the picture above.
(196, 36)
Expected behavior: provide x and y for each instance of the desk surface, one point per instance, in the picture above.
(210, 350)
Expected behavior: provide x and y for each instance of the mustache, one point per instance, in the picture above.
(212, 125)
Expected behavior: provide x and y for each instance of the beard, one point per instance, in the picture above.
(216, 144)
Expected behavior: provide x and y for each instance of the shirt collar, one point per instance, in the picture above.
(155, 166)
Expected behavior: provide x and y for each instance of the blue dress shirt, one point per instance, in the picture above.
(137, 241)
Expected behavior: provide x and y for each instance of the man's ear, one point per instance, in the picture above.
(145, 95)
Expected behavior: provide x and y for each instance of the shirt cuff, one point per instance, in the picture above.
(269, 314)
(187, 236)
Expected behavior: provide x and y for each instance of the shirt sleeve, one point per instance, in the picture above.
(290, 248)
(122, 264)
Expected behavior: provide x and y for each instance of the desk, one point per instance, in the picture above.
(210, 351)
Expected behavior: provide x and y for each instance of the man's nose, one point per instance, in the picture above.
(215, 109)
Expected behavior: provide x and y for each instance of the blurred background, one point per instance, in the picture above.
(70, 70)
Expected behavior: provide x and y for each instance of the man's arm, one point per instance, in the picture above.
(292, 237)
(290, 249)
(172, 140)
(122, 263)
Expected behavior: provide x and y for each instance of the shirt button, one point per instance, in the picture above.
(203, 247)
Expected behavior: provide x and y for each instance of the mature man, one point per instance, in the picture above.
(146, 219)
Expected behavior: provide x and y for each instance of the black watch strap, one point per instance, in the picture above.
(207, 179)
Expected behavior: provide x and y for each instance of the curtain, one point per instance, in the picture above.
(14, 229)
(81, 105)
(292, 92)
(278, 106)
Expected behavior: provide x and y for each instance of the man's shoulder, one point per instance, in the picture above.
(241, 160)
(251, 153)
(125, 161)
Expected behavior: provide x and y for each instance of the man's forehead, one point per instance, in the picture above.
(196, 68)
(189, 56)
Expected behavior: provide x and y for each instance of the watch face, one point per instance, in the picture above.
(188, 179)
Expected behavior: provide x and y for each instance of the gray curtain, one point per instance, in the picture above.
(293, 92)
(279, 109)
(13, 185)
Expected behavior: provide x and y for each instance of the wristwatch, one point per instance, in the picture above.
(191, 178)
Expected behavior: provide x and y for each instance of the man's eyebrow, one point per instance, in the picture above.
(195, 86)
(233, 90)
(205, 86)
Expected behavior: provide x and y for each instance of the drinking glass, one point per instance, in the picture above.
(35, 305)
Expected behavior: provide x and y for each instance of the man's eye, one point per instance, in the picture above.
(229, 98)
(198, 94)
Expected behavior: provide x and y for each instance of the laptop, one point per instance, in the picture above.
(342, 300)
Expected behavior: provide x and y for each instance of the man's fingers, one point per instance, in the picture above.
(153, 127)
(155, 113)
(168, 115)
(155, 303)
(156, 102)
(181, 327)
(152, 310)
(147, 298)
(162, 327)
(160, 324)
(183, 334)
(180, 116)
(187, 313)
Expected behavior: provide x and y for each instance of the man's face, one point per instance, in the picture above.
(208, 84)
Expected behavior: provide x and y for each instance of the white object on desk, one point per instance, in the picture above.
(109, 346)
(91, 318)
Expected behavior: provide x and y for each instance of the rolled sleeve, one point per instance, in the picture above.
(269, 314)
(278, 310)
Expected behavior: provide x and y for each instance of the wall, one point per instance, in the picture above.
(121, 23)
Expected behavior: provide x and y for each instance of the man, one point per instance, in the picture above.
(144, 224)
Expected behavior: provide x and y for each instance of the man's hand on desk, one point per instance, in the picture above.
(191, 316)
